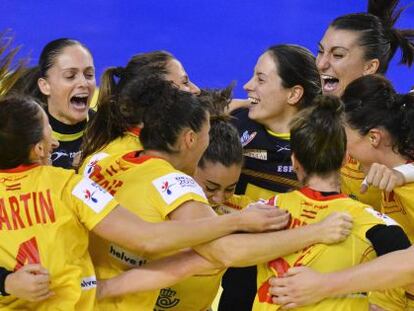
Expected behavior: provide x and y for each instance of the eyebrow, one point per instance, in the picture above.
(334, 47)
(75, 68)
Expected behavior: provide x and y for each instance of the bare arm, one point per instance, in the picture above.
(147, 239)
(154, 275)
(258, 248)
(238, 103)
(303, 285)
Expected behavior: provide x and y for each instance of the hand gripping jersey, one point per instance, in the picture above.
(267, 167)
(151, 188)
(118, 147)
(45, 216)
(351, 179)
(308, 206)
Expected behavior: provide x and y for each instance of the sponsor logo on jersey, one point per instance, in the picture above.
(246, 138)
(387, 220)
(126, 257)
(88, 282)
(256, 154)
(280, 148)
(167, 299)
(92, 195)
(174, 185)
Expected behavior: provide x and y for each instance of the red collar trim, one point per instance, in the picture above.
(317, 195)
(20, 168)
(137, 157)
(135, 131)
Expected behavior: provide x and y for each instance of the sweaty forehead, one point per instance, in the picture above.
(175, 68)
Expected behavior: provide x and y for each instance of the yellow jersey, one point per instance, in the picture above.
(236, 203)
(308, 206)
(202, 289)
(351, 179)
(399, 205)
(45, 215)
(127, 143)
(151, 188)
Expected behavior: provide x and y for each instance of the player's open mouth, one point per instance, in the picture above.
(329, 83)
(253, 100)
(80, 101)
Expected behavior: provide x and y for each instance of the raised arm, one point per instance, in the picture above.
(258, 248)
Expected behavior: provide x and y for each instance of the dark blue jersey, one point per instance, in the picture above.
(70, 140)
(266, 155)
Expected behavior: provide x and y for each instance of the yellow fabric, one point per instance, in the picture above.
(351, 179)
(50, 226)
(118, 147)
(201, 289)
(399, 205)
(306, 209)
(150, 188)
(67, 137)
(257, 193)
(234, 204)
(390, 300)
(285, 136)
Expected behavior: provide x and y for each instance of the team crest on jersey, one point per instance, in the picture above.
(175, 185)
(92, 163)
(92, 195)
(387, 220)
(256, 154)
(246, 138)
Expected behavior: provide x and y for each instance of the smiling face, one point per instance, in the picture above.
(268, 98)
(340, 60)
(179, 77)
(70, 84)
(218, 181)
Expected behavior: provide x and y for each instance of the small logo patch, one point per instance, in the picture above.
(246, 138)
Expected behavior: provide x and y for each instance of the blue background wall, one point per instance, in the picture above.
(217, 40)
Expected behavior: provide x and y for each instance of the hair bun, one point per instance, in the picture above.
(331, 104)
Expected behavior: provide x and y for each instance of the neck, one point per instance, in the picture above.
(173, 158)
(326, 183)
(280, 123)
(391, 159)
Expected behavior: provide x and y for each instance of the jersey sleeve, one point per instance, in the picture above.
(173, 189)
(90, 202)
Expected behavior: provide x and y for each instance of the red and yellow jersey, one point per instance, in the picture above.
(399, 205)
(308, 206)
(151, 188)
(351, 179)
(127, 143)
(235, 204)
(45, 217)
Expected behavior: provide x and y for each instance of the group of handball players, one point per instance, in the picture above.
(152, 194)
